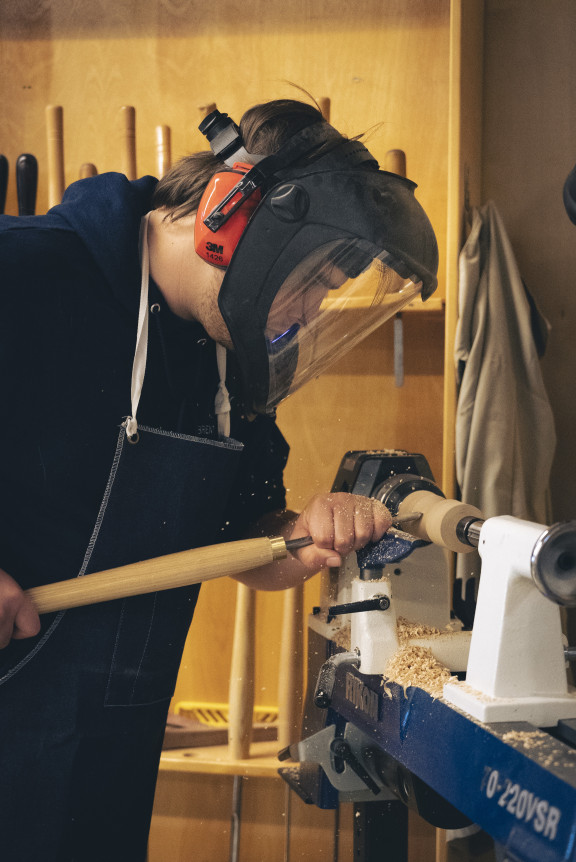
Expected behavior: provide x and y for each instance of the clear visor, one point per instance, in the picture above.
(332, 300)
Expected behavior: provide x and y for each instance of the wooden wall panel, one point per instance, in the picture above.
(166, 58)
(185, 809)
(187, 825)
(356, 405)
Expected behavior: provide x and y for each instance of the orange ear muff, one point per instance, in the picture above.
(217, 247)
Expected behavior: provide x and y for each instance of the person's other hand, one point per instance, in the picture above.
(18, 617)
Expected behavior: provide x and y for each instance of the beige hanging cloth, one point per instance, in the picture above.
(505, 437)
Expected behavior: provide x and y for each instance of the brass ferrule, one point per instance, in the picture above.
(279, 549)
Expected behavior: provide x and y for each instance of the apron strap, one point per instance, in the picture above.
(222, 400)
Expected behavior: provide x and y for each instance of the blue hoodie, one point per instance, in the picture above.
(70, 288)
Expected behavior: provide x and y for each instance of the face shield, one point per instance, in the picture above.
(334, 298)
(334, 248)
(325, 260)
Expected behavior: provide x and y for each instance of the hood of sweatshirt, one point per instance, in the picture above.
(105, 211)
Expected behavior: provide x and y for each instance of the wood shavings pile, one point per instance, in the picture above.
(410, 665)
(407, 630)
(414, 665)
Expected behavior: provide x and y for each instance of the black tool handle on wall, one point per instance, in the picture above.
(3, 182)
(26, 183)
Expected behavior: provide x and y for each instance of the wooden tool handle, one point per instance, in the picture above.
(207, 108)
(55, 144)
(87, 169)
(324, 105)
(395, 162)
(291, 670)
(439, 520)
(163, 150)
(160, 573)
(128, 140)
(241, 690)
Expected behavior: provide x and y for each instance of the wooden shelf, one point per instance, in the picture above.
(431, 305)
(215, 760)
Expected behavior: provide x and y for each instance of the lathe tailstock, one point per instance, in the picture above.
(407, 706)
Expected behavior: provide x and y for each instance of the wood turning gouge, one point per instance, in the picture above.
(173, 570)
(397, 521)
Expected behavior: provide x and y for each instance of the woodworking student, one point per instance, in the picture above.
(144, 354)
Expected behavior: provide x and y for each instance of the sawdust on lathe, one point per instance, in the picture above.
(342, 637)
(416, 666)
(407, 630)
(543, 747)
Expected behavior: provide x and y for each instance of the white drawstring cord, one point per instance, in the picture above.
(139, 363)
(222, 400)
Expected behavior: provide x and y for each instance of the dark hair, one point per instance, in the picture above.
(264, 129)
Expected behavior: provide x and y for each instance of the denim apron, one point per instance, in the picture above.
(83, 712)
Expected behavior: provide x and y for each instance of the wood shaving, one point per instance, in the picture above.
(342, 638)
(416, 666)
(527, 738)
(478, 695)
(562, 757)
(543, 746)
(407, 630)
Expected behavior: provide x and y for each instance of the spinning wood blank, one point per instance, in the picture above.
(439, 520)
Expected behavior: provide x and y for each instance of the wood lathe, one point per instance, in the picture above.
(407, 708)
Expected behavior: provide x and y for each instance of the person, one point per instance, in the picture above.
(149, 331)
